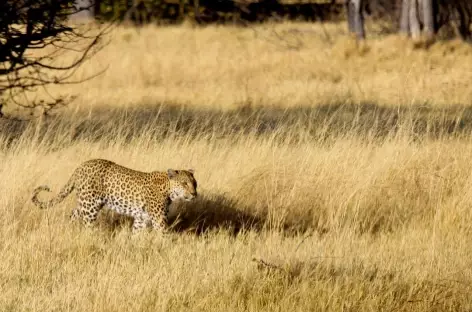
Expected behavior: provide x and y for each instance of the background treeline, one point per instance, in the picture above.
(453, 17)
(214, 11)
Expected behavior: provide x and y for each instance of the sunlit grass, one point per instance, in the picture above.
(331, 177)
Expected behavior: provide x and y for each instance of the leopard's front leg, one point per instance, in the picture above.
(158, 214)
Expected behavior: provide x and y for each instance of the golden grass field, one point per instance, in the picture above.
(332, 177)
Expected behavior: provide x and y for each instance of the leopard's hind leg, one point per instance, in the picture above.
(88, 210)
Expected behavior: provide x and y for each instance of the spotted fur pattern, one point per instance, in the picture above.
(145, 196)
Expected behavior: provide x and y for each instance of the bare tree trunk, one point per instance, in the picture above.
(464, 22)
(428, 18)
(182, 9)
(350, 16)
(96, 8)
(196, 7)
(355, 18)
(414, 20)
(405, 17)
(359, 19)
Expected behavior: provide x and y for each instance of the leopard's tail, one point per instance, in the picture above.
(66, 190)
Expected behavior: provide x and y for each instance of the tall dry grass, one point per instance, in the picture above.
(331, 177)
(285, 65)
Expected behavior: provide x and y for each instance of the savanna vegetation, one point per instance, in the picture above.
(334, 175)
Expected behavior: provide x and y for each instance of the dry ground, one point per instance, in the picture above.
(332, 177)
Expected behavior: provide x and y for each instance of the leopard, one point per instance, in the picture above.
(144, 196)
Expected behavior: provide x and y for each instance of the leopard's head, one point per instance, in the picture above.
(182, 184)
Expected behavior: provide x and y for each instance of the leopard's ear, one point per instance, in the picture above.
(191, 171)
(172, 173)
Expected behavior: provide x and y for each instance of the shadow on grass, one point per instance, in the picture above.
(215, 212)
(206, 214)
(289, 125)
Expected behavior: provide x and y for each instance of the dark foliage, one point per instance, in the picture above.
(33, 34)
(214, 11)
